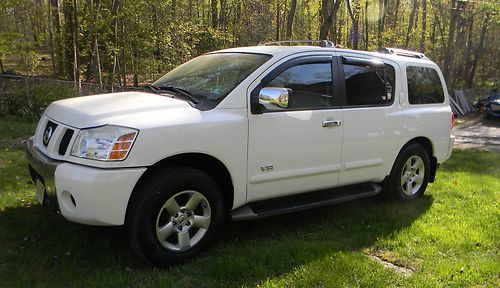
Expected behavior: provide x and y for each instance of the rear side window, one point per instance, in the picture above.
(424, 85)
(368, 85)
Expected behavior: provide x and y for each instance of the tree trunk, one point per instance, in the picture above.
(1, 66)
(134, 66)
(479, 50)
(424, 26)
(51, 37)
(114, 11)
(366, 26)
(448, 60)
(124, 63)
(381, 12)
(214, 13)
(173, 8)
(329, 17)
(354, 14)
(76, 51)
(396, 10)
(456, 68)
(326, 19)
(289, 20)
(223, 14)
(94, 65)
(433, 32)
(277, 20)
(468, 53)
(58, 47)
(410, 24)
(69, 32)
(394, 22)
(98, 61)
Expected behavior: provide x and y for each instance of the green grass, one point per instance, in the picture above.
(448, 238)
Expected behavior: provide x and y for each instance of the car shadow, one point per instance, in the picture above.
(277, 244)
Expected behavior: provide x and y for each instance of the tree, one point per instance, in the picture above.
(289, 21)
(354, 14)
(9, 43)
(329, 17)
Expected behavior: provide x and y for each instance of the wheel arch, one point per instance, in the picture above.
(427, 144)
(203, 162)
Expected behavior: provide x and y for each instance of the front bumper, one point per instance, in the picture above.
(43, 168)
(84, 194)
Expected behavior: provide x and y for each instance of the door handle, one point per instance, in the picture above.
(331, 123)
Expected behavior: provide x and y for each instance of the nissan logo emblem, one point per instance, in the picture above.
(47, 134)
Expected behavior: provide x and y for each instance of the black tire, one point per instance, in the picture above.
(393, 186)
(149, 209)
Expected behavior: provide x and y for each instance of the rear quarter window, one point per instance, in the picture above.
(424, 85)
(369, 86)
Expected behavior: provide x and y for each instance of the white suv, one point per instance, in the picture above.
(243, 133)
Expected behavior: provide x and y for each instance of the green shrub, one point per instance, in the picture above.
(30, 104)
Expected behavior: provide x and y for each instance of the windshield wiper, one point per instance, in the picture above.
(176, 90)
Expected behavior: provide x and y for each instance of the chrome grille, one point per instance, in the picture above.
(53, 138)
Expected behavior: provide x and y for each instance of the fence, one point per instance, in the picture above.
(28, 96)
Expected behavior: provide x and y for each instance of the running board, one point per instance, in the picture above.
(304, 201)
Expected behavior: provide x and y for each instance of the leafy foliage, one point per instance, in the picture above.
(31, 104)
(133, 41)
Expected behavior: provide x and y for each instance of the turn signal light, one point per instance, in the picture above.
(121, 147)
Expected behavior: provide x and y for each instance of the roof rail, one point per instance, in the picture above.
(401, 52)
(322, 43)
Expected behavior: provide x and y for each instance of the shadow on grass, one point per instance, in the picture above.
(247, 253)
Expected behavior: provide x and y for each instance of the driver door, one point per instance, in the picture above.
(295, 140)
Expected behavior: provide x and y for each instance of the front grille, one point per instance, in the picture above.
(60, 141)
(63, 146)
(48, 132)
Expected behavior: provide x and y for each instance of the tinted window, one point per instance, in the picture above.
(424, 85)
(368, 85)
(309, 85)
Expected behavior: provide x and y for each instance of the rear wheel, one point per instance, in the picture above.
(174, 215)
(410, 174)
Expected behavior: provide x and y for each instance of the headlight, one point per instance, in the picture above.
(106, 143)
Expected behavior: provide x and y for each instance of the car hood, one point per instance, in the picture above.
(127, 109)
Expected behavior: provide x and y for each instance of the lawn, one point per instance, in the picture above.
(448, 238)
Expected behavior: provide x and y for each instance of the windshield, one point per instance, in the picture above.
(211, 77)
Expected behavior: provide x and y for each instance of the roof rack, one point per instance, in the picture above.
(322, 43)
(401, 52)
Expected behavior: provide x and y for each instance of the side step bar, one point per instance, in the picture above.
(304, 201)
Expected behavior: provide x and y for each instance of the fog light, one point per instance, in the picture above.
(68, 201)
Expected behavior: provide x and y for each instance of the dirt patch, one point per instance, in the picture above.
(13, 143)
(390, 261)
(388, 265)
(478, 133)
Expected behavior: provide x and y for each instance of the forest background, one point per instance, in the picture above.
(129, 42)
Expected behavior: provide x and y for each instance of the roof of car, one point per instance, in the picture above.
(282, 51)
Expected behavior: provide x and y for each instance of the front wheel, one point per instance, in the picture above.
(410, 174)
(174, 215)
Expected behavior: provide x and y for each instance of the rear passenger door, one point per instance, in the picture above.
(372, 119)
(295, 141)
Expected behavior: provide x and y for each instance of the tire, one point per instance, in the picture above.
(174, 214)
(409, 175)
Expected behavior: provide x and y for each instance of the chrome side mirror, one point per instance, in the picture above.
(274, 98)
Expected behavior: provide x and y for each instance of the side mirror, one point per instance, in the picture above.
(274, 98)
